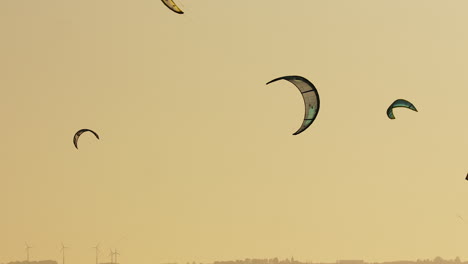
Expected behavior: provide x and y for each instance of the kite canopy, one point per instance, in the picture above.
(399, 103)
(171, 5)
(78, 134)
(310, 96)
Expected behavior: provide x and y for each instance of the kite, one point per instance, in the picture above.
(78, 134)
(171, 5)
(399, 103)
(310, 96)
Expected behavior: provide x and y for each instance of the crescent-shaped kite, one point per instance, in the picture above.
(171, 5)
(399, 103)
(310, 96)
(78, 134)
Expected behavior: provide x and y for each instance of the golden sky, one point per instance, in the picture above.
(197, 161)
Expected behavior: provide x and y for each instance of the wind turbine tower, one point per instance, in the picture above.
(97, 253)
(63, 252)
(27, 252)
(112, 256)
(116, 253)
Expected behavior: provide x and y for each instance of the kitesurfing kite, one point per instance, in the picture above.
(399, 103)
(310, 96)
(172, 6)
(78, 134)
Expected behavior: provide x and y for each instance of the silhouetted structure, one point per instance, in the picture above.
(27, 251)
(34, 262)
(350, 261)
(115, 255)
(436, 260)
(63, 252)
(111, 254)
(97, 253)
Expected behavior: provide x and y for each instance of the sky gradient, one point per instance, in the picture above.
(197, 161)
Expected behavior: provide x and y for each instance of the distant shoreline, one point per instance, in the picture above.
(436, 260)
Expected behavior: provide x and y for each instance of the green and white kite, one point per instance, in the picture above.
(399, 103)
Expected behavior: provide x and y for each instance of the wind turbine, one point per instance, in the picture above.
(97, 252)
(111, 255)
(27, 251)
(63, 252)
(116, 253)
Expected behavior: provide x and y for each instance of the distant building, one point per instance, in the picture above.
(350, 261)
(34, 262)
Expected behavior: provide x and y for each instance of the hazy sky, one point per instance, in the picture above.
(197, 161)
